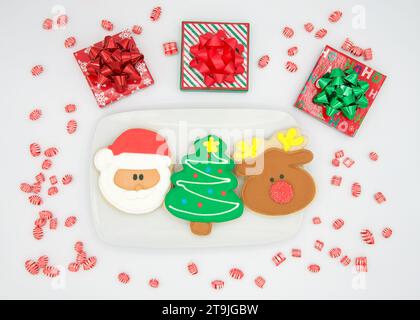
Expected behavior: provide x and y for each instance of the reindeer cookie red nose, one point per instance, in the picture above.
(281, 192)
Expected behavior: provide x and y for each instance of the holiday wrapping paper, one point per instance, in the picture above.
(106, 92)
(191, 78)
(329, 60)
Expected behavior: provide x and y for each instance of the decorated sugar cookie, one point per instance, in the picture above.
(203, 190)
(275, 181)
(134, 173)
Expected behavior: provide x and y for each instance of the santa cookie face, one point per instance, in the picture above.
(134, 173)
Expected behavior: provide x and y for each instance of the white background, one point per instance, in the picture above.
(390, 129)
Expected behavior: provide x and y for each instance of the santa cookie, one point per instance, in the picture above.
(134, 171)
(203, 190)
(275, 181)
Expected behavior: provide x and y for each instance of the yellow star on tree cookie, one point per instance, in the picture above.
(211, 145)
(291, 139)
(246, 150)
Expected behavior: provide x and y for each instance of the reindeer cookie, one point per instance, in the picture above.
(275, 181)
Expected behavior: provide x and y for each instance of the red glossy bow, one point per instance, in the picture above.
(217, 57)
(113, 61)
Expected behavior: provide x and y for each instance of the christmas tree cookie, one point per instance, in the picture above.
(203, 189)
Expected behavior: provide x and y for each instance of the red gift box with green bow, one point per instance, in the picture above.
(340, 91)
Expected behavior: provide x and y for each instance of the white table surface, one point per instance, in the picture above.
(390, 129)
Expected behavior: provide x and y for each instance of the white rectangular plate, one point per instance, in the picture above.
(159, 229)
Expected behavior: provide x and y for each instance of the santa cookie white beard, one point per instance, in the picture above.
(134, 173)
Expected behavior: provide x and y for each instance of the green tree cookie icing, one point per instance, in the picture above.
(203, 190)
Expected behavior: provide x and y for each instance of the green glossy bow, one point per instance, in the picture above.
(342, 91)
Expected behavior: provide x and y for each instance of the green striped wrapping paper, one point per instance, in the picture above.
(192, 79)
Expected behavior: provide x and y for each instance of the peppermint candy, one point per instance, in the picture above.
(236, 273)
(288, 32)
(192, 268)
(335, 16)
(361, 264)
(51, 152)
(347, 45)
(70, 221)
(339, 154)
(278, 258)
(356, 51)
(155, 14)
(52, 191)
(373, 156)
(292, 51)
(70, 108)
(71, 126)
(259, 282)
(319, 245)
(291, 66)
(356, 189)
(367, 54)
(338, 224)
(367, 236)
(309, 27)
(336, 180)
(89, 263)
(37, 70)
(379, 197)
(314, 268)
(316, 220)
(67, 179)
(296, 253)
(35, 114)
(78, 246)
(35, 149)
(345, 261)
(51, 271)
(387, 232)
(53, 224)
(73, 267)
(45, 214)
(348, 162)
(46, 164)
(137, 29)
(107, 25)
(263, 61)
(154, 283)
(69, 42)
(26, 187)
(335, 162)
(62, 20)
(47, 24)
(217, 284)
(53, 180)
(32, 267)
(321, 33)
(335, 253)
(170, 48)
(38, 233)
(123, 277)
(35, 200)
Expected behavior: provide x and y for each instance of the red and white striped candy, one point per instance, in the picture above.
(46, 164)
(192, 268)
(292, 51)
(137, 29)
(35, 149)
(40, 222)
(361, 264)
(53, 224)
(36, 187)
(70, 221)
(309, 27)
(68, 178)
(62, 20)
(47, 24)
(38, 233)
(37, 70)
(259, 281)
(348, 162)
(314, 268)
(316, 220)
(53, 180)
(154, 283)
(319, 245)
(367, 236)
(155, 14)
(35, 114)
(345, 261)
(107, 25)
(339, 154)
(40, 177)
(367, 54)
(288, 32)
(70, 108)
(52, 191)
(263, 61)
(335, 162)
(296, 253)
(45, 214)
(335, 16)
(336, 180)
(373, 156)
(43, 261)
(356, 189)
(217, 284)
(78, 246)
(387, 232)
(170, 48)
(81, 257)
(321, 33)
(69, 42)
(26, 187)
(379, 197)
(51, 152)
(71, 126)
(278, 258)
(32, 267)
(89, 263)
(291, 66)
(347, 45)
(356, 51)
(338, 224)
(335, 253)
(51, 271)
(236, 273)
(35, 200)
(123, 277)
(73, 267)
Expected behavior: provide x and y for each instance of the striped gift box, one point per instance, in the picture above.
(192, 79)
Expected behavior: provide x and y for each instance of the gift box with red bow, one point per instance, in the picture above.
(215, 56)
(340, 91)
(114, 68)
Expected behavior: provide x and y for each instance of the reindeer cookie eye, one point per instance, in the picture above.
(134, 177)
(271, 179)
(141, 177)
(282, 176)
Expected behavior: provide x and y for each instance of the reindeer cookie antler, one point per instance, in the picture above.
(288, 140)
(248, 149)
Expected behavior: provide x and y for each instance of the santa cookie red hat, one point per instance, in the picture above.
(135, 149)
